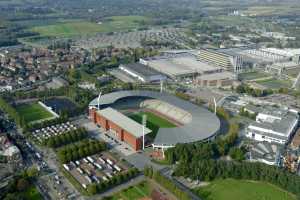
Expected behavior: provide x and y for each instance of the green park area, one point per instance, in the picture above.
(242, 189)
(247, 76)
(78, 27)
(33, 112)
(136, 192)
(273, 83)
(154, 122)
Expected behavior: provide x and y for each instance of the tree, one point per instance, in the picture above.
(22, 184)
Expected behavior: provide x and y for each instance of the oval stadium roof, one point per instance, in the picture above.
(204, 124)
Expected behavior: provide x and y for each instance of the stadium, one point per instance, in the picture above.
(180, 121)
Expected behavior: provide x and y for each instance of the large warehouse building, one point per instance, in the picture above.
(180, 65)
(196, 123)
(124, 128)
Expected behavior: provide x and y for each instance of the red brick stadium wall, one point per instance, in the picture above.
(121, 134)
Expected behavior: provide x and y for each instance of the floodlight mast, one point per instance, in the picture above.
(161, 85)
(98, 100)
(215, 103)
(144, 125)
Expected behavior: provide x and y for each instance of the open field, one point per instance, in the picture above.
(77, 28)
(154, 122)
(33, 112)
(274, 83)
(242, 189)
(137, 192)
(252, 76)
(271, 10)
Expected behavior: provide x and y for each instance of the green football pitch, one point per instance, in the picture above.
(154, 122)
(33, 112)
(242, 189)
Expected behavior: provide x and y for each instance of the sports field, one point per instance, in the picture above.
(154, 122)
(33, 112)
(242, 189)
(252, 75)
(77, 27)
(275, 83)
(136, 192)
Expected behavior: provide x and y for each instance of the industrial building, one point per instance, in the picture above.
(180, 65)
(123, 128)
(272, 124)
(142, 72)
(225, 60)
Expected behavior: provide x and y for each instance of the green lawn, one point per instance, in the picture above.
(242, 190)
(33, 112)
(275, 83)
(154, 122)
(76, 27)
(134, 192)
(252, 75)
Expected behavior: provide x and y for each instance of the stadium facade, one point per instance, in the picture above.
(198, 125)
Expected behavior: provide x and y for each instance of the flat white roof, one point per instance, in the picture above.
(180, 65)
(124, 122)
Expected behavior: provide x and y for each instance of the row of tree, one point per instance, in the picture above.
(80, 150)
(201, 169)
(200, 150)
(166, 183)
(66, 138)
(244, 88)
(112, 182)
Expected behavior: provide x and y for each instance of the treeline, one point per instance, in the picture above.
(11, 111)
(246, 89)
(209, 170)
(166, 183)
(200, 150)
(66, 138)
(30, 127)
(113, 182)
(80, 150)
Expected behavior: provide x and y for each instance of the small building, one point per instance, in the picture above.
(121, 126)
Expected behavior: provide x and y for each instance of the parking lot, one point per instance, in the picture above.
(54, 130)
(95, 169)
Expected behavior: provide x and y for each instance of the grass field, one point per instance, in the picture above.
(252, 75)
(33, 112)
(76, 27)
(136, 192)
(274, 83)
(242, 189)
(154, 122)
